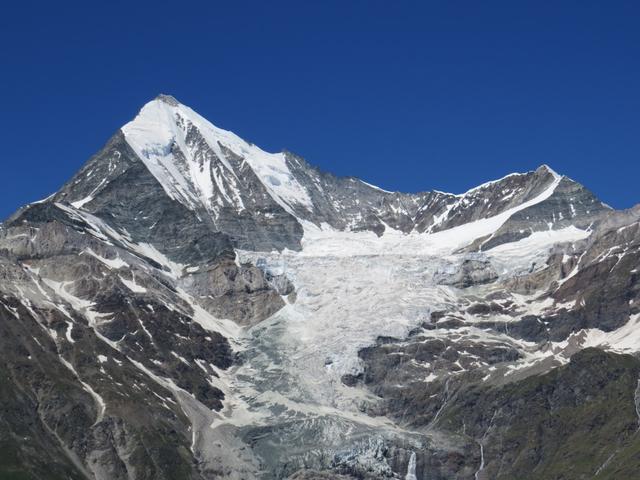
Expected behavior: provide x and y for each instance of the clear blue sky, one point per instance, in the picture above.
(407, 95)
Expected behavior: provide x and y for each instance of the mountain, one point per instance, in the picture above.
(191, 306)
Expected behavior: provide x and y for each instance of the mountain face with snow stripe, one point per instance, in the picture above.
(191, 306)
(261, 200)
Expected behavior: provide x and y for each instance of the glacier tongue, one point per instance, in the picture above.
(343, 304)
(351, 289)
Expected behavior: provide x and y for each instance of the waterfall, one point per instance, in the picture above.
(477, 475)
(636, 400)
(411, 468)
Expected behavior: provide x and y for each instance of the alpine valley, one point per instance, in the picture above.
(189, 306)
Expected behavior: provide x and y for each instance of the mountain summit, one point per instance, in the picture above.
(261, 200)
(191, 306)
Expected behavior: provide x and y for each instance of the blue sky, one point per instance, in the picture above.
(407, 95)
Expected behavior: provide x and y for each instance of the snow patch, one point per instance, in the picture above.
(133, 286)
(100, 403)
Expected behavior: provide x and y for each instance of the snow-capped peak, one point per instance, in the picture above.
(546, 167)
(168, 99)
(218, 175)
(166, 136)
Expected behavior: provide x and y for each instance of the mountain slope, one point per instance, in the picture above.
(190, 306)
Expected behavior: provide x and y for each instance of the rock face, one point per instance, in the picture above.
(190, 306)
(577, 421)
